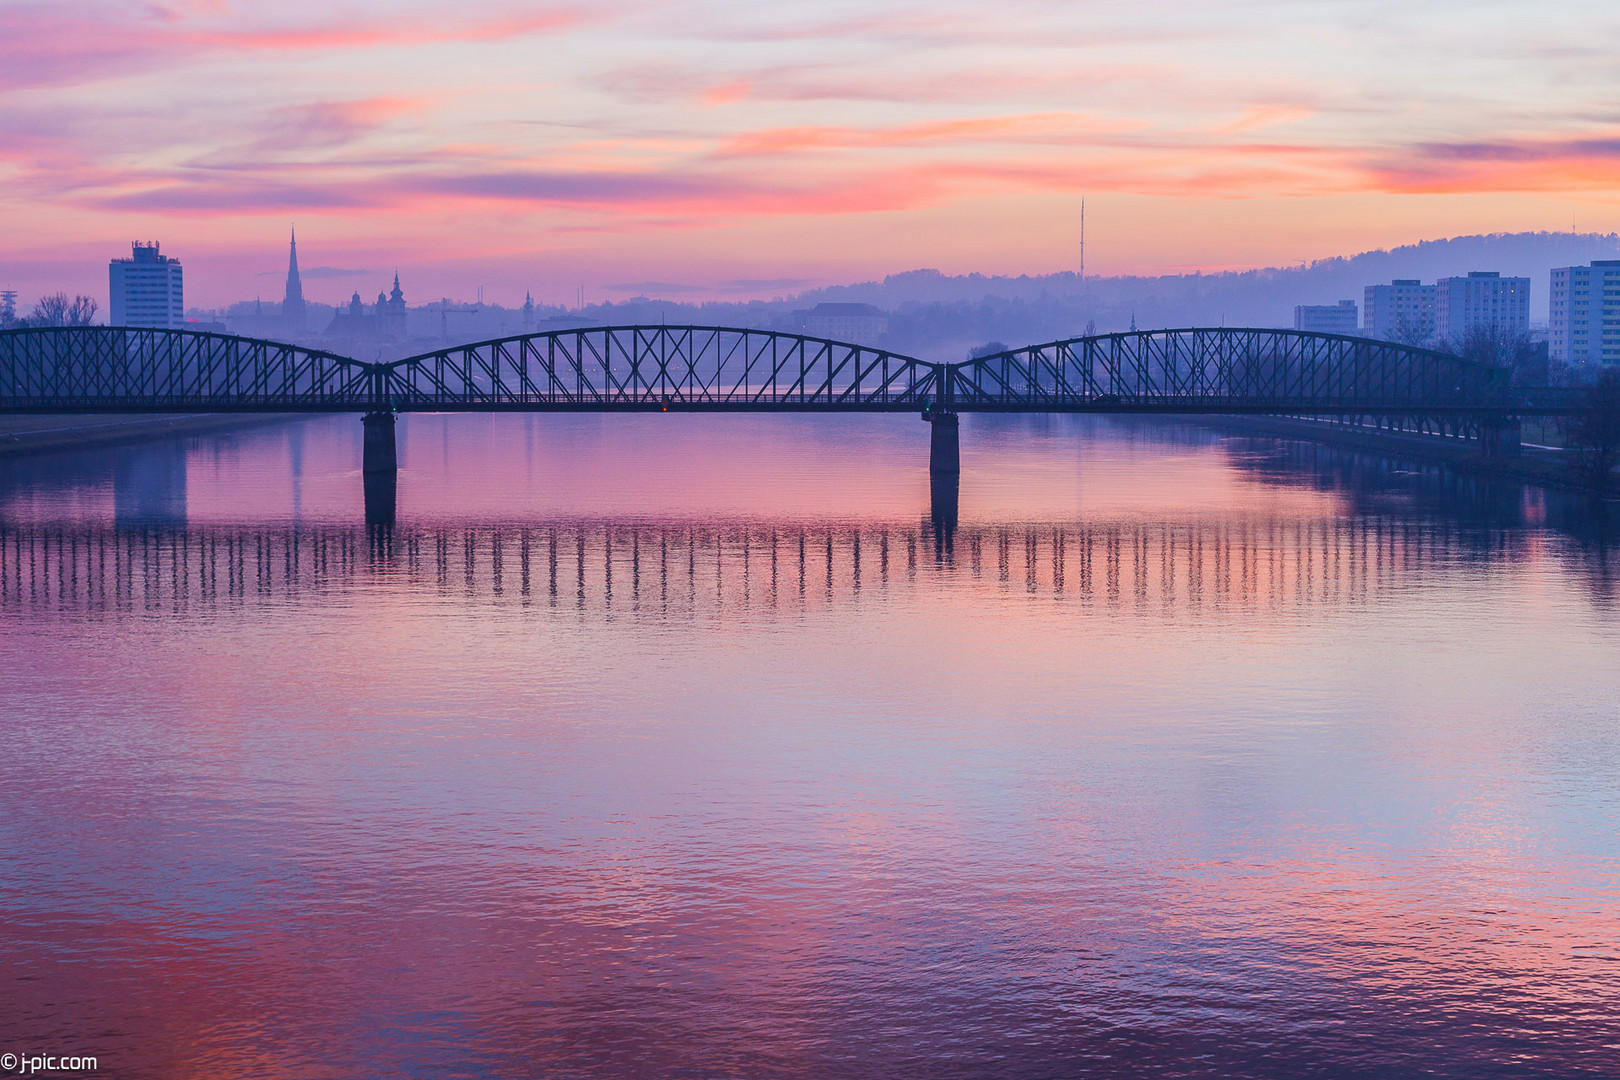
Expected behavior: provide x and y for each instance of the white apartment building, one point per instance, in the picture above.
(1403, 310)
(1483, 298)
(1340, 318)
(146, 290)
(1584, 309)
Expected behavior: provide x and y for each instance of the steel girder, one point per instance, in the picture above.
(1234, 370)
(1227, 370)
(130, 369)
(659, 367)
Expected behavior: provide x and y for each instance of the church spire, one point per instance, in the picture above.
(292, 307)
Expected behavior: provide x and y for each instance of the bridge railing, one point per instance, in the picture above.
(653, 367)
(116, 368)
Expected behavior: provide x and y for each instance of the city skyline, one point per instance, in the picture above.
(727, 152)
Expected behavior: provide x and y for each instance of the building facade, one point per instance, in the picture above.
(1584, 313)
(1483, 298)
(1403, 310)
(146, 289)
(862, 324)
(1340, 318)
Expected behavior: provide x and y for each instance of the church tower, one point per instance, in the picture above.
(392, 322)
(292, 308)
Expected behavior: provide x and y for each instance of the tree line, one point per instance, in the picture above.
(52, 310)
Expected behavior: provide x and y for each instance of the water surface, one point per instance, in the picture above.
(678, 746)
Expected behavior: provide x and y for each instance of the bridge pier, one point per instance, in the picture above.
(380, 488)
(943, 489)
(944, 444)
(1501, 437)
(379, 454)
(379, 469)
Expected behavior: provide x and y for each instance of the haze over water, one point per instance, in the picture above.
(679, 746)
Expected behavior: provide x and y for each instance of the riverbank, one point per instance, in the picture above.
(1549, 466)
(23, 436)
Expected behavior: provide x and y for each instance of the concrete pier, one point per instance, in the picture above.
(944, 444)
(379, 455)
(1501, 438)
(380, 488)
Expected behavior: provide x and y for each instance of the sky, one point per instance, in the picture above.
(715, 148)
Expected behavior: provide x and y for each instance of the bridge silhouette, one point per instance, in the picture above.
(709, 368)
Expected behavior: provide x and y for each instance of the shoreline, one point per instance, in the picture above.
(1546, 466)
(32, 434)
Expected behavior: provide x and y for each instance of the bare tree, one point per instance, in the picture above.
(57, 310)
(1505, 347)
(1407, 332)
(1594, 432)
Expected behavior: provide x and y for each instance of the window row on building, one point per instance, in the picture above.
(146, 289)
(1408, 310)
(1583, 324)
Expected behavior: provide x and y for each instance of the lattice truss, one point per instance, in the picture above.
(640, 367)
(1225, 370)
(108, 368)
(112, 369)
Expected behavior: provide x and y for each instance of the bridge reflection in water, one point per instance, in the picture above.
(663, 570)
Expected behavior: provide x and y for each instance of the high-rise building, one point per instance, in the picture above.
(292, 306)
(1403, 310)
(1584, 308)
(1483, 298)
(1337, 318)
(146, 289)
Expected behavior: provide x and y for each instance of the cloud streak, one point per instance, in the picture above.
(53, 44)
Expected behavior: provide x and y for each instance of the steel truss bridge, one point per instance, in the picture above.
(1188, 371)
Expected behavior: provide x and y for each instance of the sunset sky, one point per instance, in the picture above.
(727, 149)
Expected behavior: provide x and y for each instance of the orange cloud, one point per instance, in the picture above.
(727, 93)
(1026, 127)
(1570, 164)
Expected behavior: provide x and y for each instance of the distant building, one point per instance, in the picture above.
(293, 313)
(862, 324)
(1403, 310)
(1483, 298)
(1584, 308)
(1340, 318)
(146, 289)
(382, 321)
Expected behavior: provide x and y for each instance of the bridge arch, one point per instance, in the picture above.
(138, 369)
(660, 367)
(1226, 369)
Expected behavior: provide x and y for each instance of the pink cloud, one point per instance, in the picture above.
(329, 124)
(55, 44)
(1027, 127)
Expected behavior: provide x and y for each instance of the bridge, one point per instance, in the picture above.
(1188, 371)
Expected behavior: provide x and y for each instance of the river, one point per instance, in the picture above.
(686, 746)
